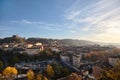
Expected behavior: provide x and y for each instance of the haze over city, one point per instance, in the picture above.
(59, 39)
(94, 20)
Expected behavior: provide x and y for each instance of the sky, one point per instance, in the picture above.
(94, 20)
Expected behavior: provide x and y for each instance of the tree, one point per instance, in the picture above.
(111, 74)
(10, 72)
(73, 76)
(41, 77)
(30, 75)
(1, 65)
(57, 68)
(0, 74)
(14, 70)
(50, 71)
(65, 71)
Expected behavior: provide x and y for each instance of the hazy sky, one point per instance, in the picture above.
(95, 20)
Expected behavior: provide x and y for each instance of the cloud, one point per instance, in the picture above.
(73, 15)
(27, 22)
(73, 31)
(100, 18)
(43, 25)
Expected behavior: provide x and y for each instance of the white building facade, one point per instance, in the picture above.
(114, 60)
(65, 58)
(76, 60)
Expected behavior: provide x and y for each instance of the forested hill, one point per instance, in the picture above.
(14, 38)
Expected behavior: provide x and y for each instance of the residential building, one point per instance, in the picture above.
(38, 44)
(32, 51)
(28, 45)
(114, 59)
(65, 58)
(76, 60)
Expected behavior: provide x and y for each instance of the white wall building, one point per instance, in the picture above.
(38, 44)
(65, 58)
(5, 45)
(76, 60)
(28, 45)
(113, 60)
(32, 51)
(55, 49)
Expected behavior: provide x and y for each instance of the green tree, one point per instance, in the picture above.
(65, 71)
(1, 65)
(57, 72)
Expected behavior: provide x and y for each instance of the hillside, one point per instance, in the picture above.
(69, 42)
(42, 40)
(12, 39)
(72, 42)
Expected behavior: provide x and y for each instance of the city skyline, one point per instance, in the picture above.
(94, 20)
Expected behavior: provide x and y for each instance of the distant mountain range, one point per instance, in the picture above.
(73, 42)
(69, 42)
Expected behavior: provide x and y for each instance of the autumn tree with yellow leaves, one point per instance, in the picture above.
(10, 72)
(49, 71)
(40, 77)
(74, 76)
(30, 75)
